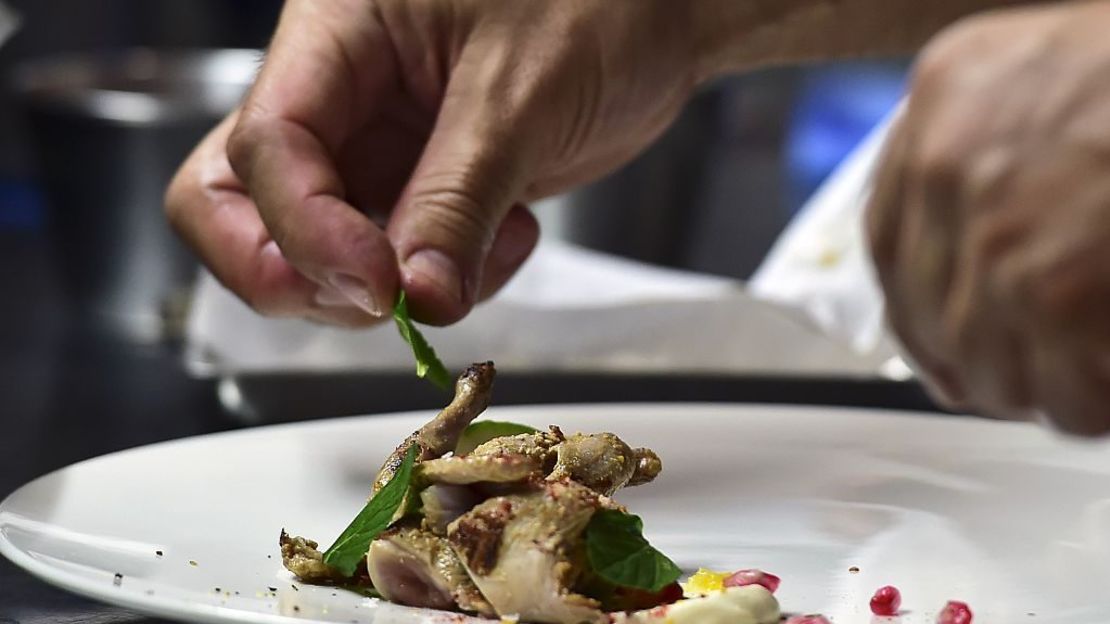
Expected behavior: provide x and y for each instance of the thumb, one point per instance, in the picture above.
(446, 220)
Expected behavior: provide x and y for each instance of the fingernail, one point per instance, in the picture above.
(356, 291)
(329, 297)
(438, 269)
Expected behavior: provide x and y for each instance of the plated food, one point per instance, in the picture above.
(503, 521)
(500, 520)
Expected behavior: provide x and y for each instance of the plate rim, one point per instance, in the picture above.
(540, 407)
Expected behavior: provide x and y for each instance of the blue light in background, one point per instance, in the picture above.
(836, 108)
(21, 206)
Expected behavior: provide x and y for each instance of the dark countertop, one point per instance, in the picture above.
(71, 392)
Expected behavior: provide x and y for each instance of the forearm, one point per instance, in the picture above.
(735, 35)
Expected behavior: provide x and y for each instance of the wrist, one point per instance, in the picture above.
(737, 35)
(713, 34)
(731, 36)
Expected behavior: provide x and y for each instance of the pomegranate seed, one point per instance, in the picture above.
(886, 601)
(740, 578)
(807, 619)
(955, 612)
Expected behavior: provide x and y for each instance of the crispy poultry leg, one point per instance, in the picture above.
(472, 396)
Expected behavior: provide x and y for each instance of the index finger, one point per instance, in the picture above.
(329, 62)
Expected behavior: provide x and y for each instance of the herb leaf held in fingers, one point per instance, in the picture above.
(428, 364)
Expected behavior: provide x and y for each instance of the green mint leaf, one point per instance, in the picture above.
(618, 553)
(428, 364)
(375, 517)
(482, 431)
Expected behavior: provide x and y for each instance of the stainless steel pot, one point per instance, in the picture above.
(110, 129)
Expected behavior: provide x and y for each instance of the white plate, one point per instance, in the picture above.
(1004, 516)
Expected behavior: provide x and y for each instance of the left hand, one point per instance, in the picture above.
(392, 144)
(990, 220)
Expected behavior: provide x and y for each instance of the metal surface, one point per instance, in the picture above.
(109, 132)
(9, 22)
(286, 397)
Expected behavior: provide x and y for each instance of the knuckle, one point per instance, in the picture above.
(948, 50)
(932, 66)
(460, 226)
(938, 161)
(455, 215)
(243, 141)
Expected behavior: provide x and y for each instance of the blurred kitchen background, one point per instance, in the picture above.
(102, 98)
(83, 163)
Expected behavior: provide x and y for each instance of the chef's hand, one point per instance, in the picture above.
(990, 222)
(392, 143)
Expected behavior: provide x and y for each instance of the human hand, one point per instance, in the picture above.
(990, 219)
(392, 143)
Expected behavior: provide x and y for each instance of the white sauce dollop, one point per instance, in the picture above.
(751, 604)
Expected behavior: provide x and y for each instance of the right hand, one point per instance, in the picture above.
(990, 224)
(392, 143)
